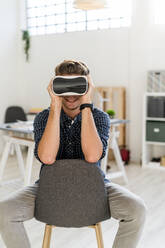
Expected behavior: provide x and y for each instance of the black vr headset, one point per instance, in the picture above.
(70, 85)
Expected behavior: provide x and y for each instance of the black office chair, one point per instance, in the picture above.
(71, 194)
(14, 113)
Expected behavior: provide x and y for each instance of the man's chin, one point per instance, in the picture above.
(72, 108)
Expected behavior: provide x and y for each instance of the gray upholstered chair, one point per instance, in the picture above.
(71, 194)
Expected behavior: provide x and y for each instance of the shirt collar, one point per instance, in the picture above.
(65, 118)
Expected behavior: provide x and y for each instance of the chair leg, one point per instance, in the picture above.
(99, 235)
(47, 236)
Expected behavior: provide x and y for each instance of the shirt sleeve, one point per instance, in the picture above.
(102, 122)
(38, 129)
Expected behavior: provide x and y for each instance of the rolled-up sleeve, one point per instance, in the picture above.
(39, 127)
(102, 122)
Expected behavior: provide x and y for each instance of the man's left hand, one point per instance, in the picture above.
(87, 98)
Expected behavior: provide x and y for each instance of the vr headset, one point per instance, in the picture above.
(70, 85)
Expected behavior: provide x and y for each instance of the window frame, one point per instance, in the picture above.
(88, 24)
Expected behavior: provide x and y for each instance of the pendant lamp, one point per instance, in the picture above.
(89, 4)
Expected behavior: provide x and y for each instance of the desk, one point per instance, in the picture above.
(12, 129)
(112, 143)
(12, 137)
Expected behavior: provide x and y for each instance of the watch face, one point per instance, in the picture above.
(70, 85)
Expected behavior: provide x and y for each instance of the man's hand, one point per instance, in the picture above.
(87, 98)
(55, 100)
(49, 143)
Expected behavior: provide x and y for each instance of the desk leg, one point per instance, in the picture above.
(118, 158)
(4, 158)
(29, 164)
(20, 159)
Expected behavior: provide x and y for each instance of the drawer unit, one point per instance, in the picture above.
(156, 107)
(155, 131)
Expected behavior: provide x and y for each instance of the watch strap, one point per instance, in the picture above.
(86, 105)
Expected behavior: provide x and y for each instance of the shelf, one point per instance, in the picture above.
(155, 143)
(115, 98)
(155, 94)
(155, 119)
(153, 129)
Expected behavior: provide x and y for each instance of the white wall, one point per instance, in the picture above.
(8, 55)
(108, 66)
(146, 52)
(9, 51)
(116, 57)
(139, 63)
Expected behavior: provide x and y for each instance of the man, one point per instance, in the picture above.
(63, 131)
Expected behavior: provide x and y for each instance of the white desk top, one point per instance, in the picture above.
(20, 126)
(27, 126)
(117, 121)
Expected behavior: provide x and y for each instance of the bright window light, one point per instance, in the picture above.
(159, 9)
(58, 16)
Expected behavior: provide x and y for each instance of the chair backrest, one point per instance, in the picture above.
(71, 194)
(104, 161)
(14, 113)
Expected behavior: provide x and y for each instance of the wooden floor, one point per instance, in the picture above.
(147, 183)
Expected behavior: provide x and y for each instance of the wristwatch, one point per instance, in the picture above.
(87, 105)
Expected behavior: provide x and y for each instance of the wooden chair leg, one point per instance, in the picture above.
(47, 236)
(99, 235)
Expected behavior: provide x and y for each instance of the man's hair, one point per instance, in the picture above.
(71, 67)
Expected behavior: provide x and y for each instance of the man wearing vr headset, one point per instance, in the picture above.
(71, 128)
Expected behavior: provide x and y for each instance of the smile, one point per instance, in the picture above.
(71, 100)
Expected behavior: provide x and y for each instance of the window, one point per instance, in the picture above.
(58, 16)
(159, 7)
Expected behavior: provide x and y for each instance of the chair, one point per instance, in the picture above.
(71, 194)
(14, 113)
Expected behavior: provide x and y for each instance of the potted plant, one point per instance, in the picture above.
(26, 39)
(111, 113)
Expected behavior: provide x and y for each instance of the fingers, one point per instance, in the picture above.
(50, 84)
(91, 84)
(90, 81)
(50, 87)
(55, 100)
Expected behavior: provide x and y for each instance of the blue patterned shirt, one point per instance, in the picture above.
(70, 134)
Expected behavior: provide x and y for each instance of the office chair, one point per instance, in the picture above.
(71, 194)
(14, 113)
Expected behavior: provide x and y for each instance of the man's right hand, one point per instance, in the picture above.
(55, 100)
(49, 143)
